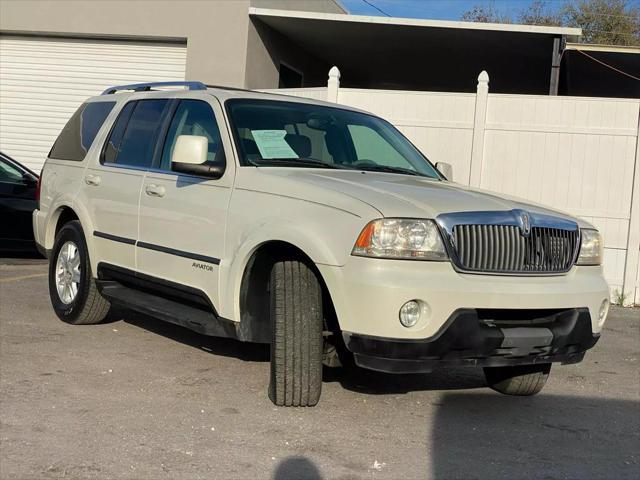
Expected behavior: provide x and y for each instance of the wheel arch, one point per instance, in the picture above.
(63, 213)
(253, 297)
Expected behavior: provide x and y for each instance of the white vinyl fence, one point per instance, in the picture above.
(576, 154)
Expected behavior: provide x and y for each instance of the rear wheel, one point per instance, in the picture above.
(297, 343)
(521, 380)
(72, 288)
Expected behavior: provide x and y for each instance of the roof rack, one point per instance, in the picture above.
(224, 87)
(145, 87)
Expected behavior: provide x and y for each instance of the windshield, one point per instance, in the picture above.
(274, 133)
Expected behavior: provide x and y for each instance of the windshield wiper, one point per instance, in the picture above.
(384, 168)
(297, 162)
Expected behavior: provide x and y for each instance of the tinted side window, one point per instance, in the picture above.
(9, 173)
(133, 138)
(112, 147)
(193, 117)
(78, 134)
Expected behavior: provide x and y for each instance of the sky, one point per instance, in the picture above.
(434, 9)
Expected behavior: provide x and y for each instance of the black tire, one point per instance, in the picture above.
(523, 380)
(296, 347)
(88, 306)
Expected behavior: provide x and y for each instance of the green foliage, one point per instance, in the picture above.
(619, 298)
(486, 13)
(615, 22)
(539, 13)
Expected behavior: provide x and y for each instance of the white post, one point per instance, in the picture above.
(479, 123)
(333, 85)
(633, 240)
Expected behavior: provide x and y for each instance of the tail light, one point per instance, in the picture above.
(38, 185)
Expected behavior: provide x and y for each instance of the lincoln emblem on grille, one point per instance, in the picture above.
(524, 222)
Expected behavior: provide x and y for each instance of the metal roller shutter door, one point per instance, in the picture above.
(44, 79)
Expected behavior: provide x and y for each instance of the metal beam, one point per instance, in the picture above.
(555, 67)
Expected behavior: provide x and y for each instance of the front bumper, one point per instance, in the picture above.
(483, 338)
(368, 293)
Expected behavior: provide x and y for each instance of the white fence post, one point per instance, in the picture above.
(479, 122)
(333, 85)
(631, 263)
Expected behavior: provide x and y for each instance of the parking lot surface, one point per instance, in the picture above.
(136, 398)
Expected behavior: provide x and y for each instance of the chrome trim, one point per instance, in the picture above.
(122, 166)
(448, 221)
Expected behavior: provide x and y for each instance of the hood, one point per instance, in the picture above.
(396, 195)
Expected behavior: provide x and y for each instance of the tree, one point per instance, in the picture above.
(539, 13)
(615, 22)
(486, 13)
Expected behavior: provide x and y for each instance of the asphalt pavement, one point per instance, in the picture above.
(136, 398)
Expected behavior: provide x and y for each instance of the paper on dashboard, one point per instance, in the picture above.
(272, 144)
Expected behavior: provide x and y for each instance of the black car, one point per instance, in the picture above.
(18, 199)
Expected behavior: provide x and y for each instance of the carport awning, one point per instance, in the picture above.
(600, 71)
(378, 52)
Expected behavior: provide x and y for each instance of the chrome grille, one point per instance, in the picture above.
(503, 249)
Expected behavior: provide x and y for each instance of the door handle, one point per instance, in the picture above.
(154, 190)
(92, 180)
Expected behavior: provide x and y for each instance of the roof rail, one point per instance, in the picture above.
(145, 87)
(224, 87)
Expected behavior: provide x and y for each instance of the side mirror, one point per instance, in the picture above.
(445, 169)
(29, 180)
(190, 154)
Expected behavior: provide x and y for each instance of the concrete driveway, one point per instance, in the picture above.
(139, 399)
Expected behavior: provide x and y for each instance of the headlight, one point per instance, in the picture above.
(591, 247)
(401, 238)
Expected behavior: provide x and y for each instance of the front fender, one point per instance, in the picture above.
(318, 249)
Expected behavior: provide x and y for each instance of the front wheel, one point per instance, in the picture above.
(72, 289)
(297, 343)
(521, 380)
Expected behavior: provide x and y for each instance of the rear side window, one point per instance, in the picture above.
(133, 138)
(78, 134)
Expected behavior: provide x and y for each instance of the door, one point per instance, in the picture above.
(182, 217)
(17, 202)
(112, 186)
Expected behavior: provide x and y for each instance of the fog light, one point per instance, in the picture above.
(604, 309)
(410, 313)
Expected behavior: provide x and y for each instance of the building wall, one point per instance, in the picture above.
(267, 49)
(216, 32)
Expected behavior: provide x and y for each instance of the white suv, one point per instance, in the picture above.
(317, 228)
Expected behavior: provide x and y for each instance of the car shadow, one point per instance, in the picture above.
(487, 435)
(227, 347)
(21, 258)
(360, 380)
(354, 379)
(297, 468)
